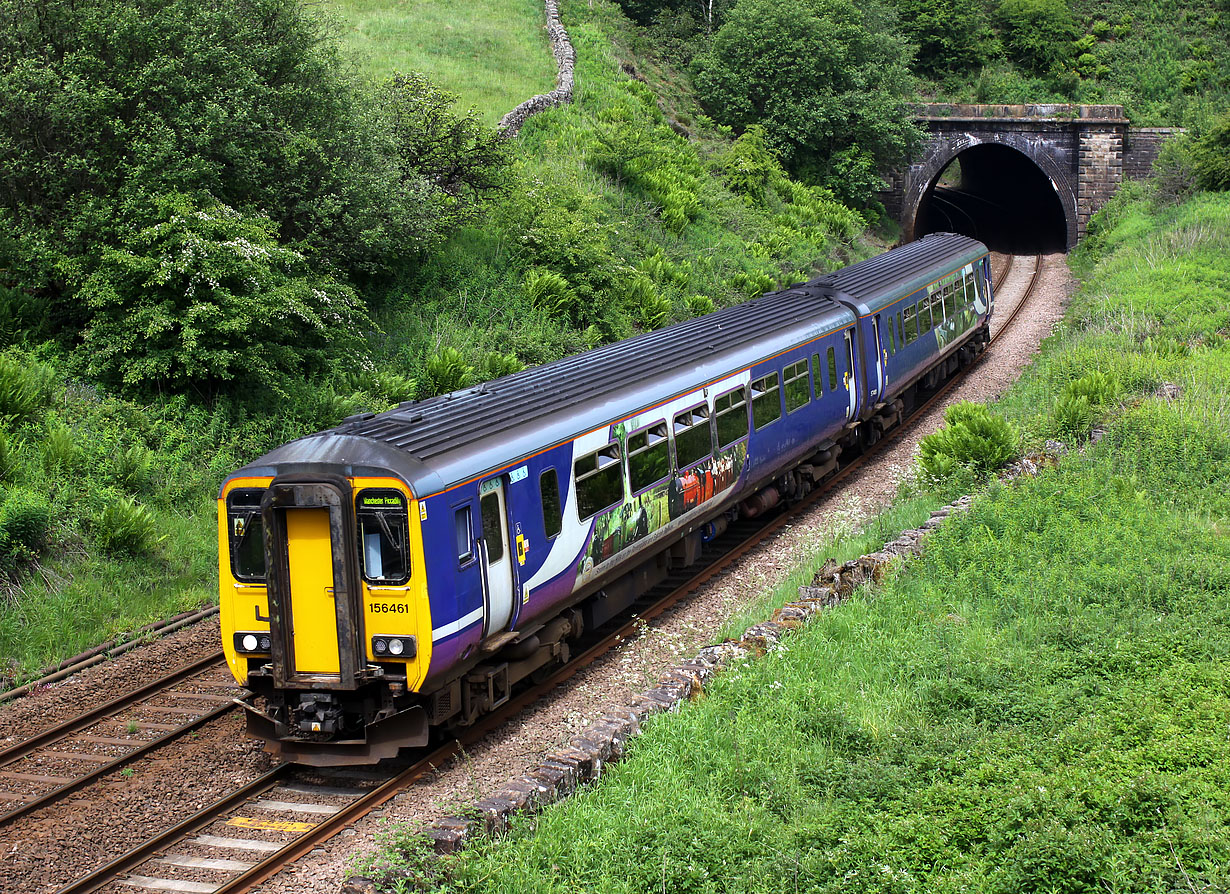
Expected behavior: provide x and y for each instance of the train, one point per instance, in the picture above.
(403, 572)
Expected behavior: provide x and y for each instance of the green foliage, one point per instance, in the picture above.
(651, 308)
(199, 297)
(839, 101)
(1074, 415)
(699, 305)
(25, 525)
(124, 527)
(1211, 156)
(61, 450)
(446, 370)
(549, 291)
(496, 364)
(973, 439)
(27, 387)
(951, 35)
(1037, 33)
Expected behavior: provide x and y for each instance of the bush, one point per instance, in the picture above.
(1037, 33)
(27, 387)
(1211, 156)
(549, 291)
(124, 527)
(841, 96)
(61, 452)
(25, 523)
(446, 370)
(1074, 415)
(974, 439)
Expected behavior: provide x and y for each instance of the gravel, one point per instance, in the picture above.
(68, 839)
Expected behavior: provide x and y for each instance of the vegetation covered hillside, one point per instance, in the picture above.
(1036, 703)
(218, 235)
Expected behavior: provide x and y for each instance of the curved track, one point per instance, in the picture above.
(248, 836)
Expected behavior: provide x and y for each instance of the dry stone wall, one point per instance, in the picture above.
(565, 61)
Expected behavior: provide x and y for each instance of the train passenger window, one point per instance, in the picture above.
(463, 533)
(950, 299)
(911, 324)
(693, 436)
(243, 511)
(766, 400)
(600, 481)
(649, 457)
(493, 526)
(383, 543)
(552, 514)
(798, 389)
(892, 335)
(968, 285)
(832, 357)
(937, 308)
(900, 331)
(731, 412)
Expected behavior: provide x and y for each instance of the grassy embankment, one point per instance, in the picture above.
(614, 223)
(1038, 703)
(492, 55)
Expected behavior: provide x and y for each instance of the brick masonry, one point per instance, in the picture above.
(1085, 151)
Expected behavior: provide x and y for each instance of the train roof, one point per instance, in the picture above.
(875, 283)
(436, 443)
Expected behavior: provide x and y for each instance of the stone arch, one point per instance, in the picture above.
(946, 147)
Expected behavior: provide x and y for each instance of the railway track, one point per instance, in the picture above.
(61, 760)
(249, 835)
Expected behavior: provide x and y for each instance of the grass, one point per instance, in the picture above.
(1037, 703)
(493, 55)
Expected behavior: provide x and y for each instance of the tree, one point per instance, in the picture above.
(1038, 34)
(829, 83)
(951, 35)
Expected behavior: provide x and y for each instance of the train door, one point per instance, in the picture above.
(313, 614)
(851, 380)
(881, 352)
(496, 556)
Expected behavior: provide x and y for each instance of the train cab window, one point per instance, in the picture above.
(798, 388)
(693, 436)
(600, 481)
(731, 412)
(911, 324)
(493, 526)
(832, 361)
(766, 400)
(552, 514)
(383, 543)
(463, 533)
(243, 512)
(649, 457)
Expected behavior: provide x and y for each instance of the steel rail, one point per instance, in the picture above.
(362, 805)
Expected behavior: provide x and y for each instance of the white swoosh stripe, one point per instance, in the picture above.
(460, 624)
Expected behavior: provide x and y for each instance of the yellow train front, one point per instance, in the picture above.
(323, 605)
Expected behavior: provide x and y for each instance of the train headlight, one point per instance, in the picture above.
(395, 646)
(253, 643)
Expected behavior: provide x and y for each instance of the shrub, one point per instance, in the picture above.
(1211, 156)
(1096, 387)
(25, 523)
(973, 438)
(60, 449)
(551, 292)
(132, 468)
(699, 305)
(1037, 33)
(496, 364)
(1074, 415)
(27, 387)
(446, 370)
(124, 527)
(204, 295)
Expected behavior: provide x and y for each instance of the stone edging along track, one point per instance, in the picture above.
(565, 61)
(562, 771)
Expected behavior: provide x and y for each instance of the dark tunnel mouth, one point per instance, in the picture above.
(998, 195)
